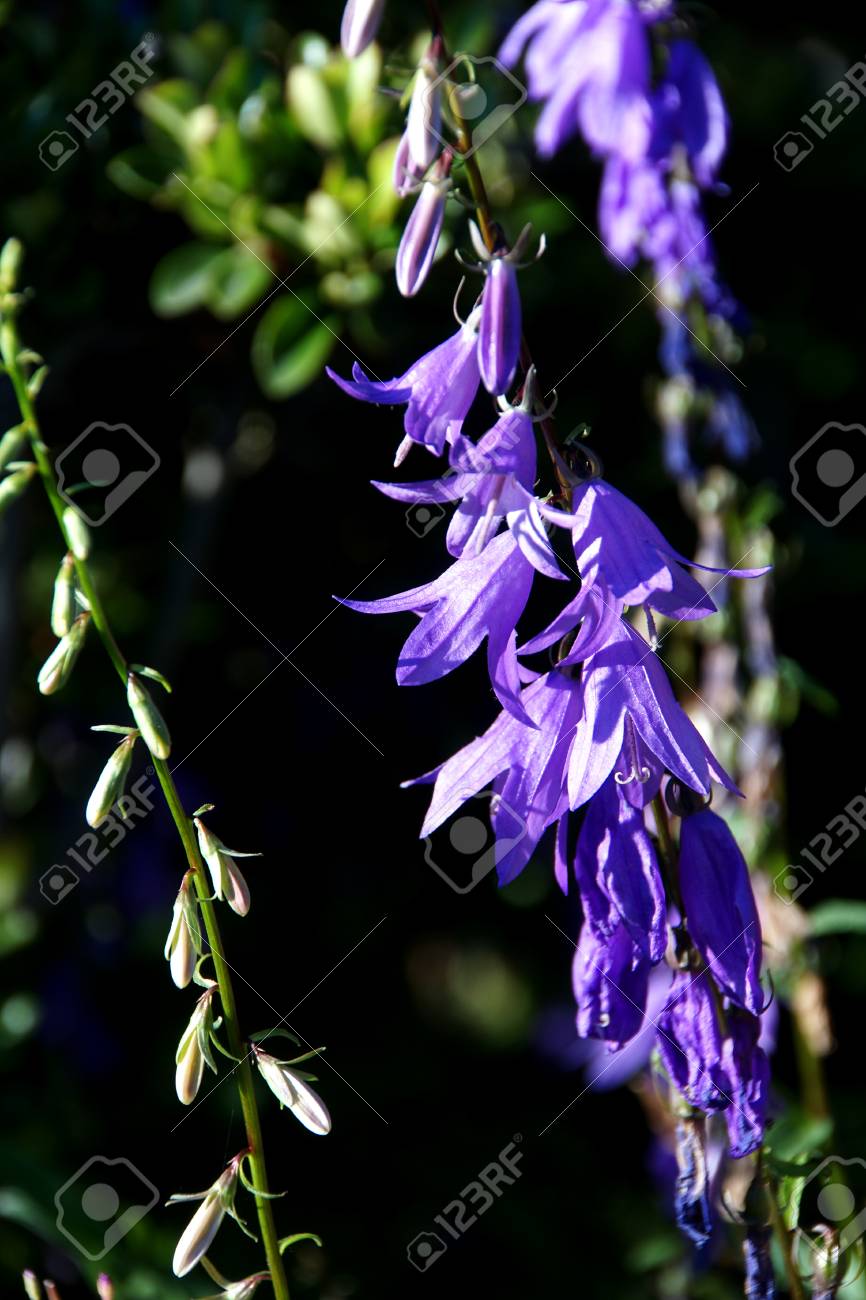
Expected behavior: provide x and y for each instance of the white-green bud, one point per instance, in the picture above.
(104, 1287)
(31, 1286)
(111, 783)
(291, 1089)
(63, 602)
(148, 718)
(56, 670)
(183, 946)
(77, 533)
(14, 484)
(205, 1223)
(226, 876)
(193, 1051)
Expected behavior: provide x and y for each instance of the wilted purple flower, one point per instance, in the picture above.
(360, 24)
(617, 872)
(720, 907)
(526, 763)
(747, 1071)
(690, 1042)
(590, 61)
(499, 332)
(438, 389)
(689, 111)
(760, 1279)
(692, 1198)
(421, 236)
(610, 985)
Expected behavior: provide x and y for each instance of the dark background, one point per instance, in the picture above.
(448, 1027)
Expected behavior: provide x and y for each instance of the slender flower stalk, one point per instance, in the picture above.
(74, 540)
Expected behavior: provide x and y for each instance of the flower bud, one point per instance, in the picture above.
(360, 23)
(148, 718)
(292, 1090)
(421, 236)
(63, 602)
(31, 1285)
(104, 1287)
(56, 670)
(424, 121)
(204, 1224)
(193, 1051)
(11, 443)
(14, 484)
(77, 533)
(226, 876)
(183, 946)
(499, 332)
(11, 257)
(111, 783)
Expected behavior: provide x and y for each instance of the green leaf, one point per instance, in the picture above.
(152, 673)
(797, 1134)
(139, 171)
(168, 104)
(238, 280)
(181, 280)
(313, 107)
(290, 346)
(838, 916)
(285, 1242)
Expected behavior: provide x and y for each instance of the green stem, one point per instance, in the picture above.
(10, 347)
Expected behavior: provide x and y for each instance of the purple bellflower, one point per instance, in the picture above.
(438, 390)
(610, 979)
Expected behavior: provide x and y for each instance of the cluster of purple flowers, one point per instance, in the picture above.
(599, 732)
(662, 136)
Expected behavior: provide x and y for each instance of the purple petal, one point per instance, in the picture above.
(420, 239)
(499, 332)
(610, 985)
(690, 1042)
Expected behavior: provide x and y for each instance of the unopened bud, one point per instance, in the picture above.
(360, 23)
(14, 485)
(183, 946)
(111, 783)
(291, 1089)
(63, 602)
(104, 1287)
(424, 121)
(193, 1051)
(51, 1292)
(11, 256)
(499, 332)
(421, 236)
(204, 1224)
(56, 670)
(148, 718)
(11, 443)
(226, 876)
(31, 1285)
(77, 533)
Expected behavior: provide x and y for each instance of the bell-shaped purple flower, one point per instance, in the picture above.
(720, 907)
(617, 872)
(610, 978)
(614, 539)
(526, 763)
(690, 1042)
(421, 235)
(360, 24)
(499, 332)
(590, 61)
(438, 389)
(625, 681)
(689, 110)
(479, 596)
